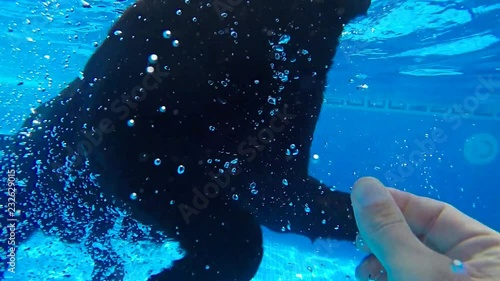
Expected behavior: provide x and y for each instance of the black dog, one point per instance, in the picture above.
(196, 118)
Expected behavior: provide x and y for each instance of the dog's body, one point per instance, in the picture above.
(199, 124)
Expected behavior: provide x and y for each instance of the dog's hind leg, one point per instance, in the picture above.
(222, 243)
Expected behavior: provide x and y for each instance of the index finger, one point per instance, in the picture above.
(440, 225)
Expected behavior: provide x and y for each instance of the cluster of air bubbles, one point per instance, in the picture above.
(167, 34)
(288, 226)
(181, 169)
(293, 150)
(131, 123)
(307, 209)
(253, 189)
(217, 160)
(227, 165)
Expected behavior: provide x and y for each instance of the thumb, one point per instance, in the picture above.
(381, 223)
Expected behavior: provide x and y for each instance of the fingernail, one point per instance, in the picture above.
(369, 191)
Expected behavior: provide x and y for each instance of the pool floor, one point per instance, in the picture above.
(45, 258)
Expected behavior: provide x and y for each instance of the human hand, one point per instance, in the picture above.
(412, 238)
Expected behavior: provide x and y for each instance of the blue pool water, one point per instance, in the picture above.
(413, 99)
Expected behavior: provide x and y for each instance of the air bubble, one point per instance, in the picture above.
(235, 197)
(285, 182)
(211, 128)
(153, 59)
(172, 202)
(150, 69)
(117, 32)
(254, 191)
(167, 34)
(253, 185)
(457, 266)
(234, 34)
(181, 169)
(278, 48)
(271, 100)
(175, 43)
(284, 39)
(307, 209)
(133, 196)
(163, 109)
(157, 162)
(178, 12)
(131, 123)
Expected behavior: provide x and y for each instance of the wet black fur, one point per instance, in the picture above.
(220, 123)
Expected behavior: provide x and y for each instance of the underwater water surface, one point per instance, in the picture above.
(413, 99)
